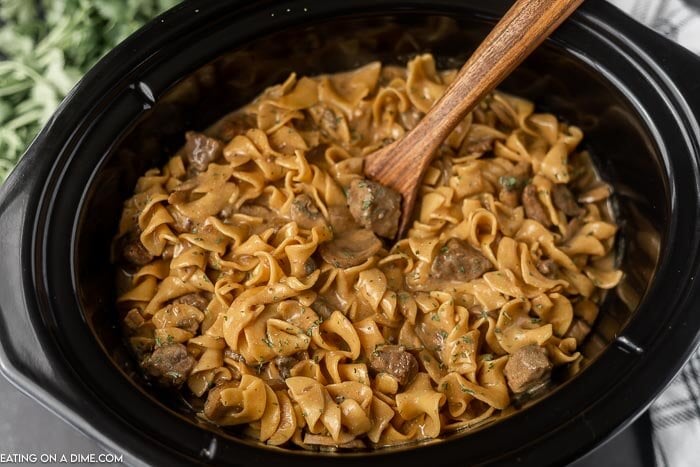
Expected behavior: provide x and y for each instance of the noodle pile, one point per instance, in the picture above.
(251, 285)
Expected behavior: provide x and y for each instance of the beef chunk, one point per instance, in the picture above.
(196, 300)
(527, 368)
(169, 365)
(201, 150)
(284, 365)
(133, 252)
(305, 212)
(375, 207)
(459, 261)
(396, 361)
(350, 249)
(565, 201)
(533, 208)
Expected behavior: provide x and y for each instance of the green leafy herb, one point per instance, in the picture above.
(47, 46)
(509, 183)
(315, 324)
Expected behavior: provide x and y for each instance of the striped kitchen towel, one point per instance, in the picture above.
(675, 415)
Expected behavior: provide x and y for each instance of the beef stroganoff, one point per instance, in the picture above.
(260, 276)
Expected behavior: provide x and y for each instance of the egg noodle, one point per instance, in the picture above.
(254, 282)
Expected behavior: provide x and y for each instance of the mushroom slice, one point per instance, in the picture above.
(351, 248)
(305, 212)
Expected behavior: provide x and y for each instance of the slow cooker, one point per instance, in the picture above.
(635, 95)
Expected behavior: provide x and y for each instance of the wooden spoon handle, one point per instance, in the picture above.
(522, 29)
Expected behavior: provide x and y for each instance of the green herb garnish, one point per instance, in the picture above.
(509, 183)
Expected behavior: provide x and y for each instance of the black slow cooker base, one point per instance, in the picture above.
(126, 117)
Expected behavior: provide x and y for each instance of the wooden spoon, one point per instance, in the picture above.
(402, 164)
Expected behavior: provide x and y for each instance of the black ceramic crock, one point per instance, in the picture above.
(635, 94)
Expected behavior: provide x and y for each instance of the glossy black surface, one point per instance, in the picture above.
(633, 93)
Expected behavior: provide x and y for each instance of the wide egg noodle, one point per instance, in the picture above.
(285, 342)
